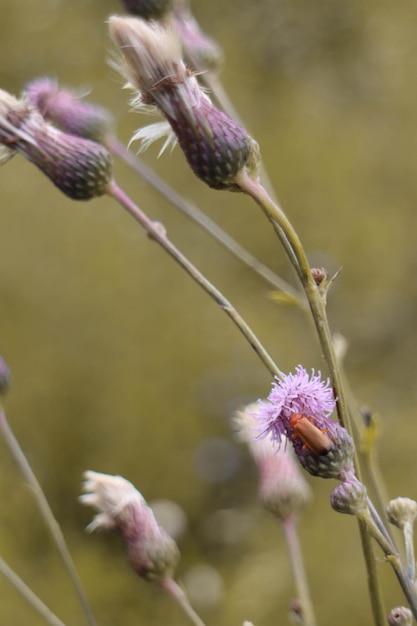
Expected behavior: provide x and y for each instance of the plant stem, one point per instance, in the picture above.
(406, 583)
(202, 220)
(156, 232)
(174, 590)
(47, 514)
(375, 594)
(291, 535)
(29, 596)
(314, 297)
(409, 550)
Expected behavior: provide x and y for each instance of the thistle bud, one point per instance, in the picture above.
(402, 511)
(148, 9)
(5, 376)
(400, 616)
(282, 489)
(80, 168)
(319, 275)
(350, 497)
(217, 149)
(68, 111)
(153, 554)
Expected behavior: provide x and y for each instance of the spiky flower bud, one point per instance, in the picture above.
(200, 51)
(217, 149)
(5, 376)
(402, 511)
(400, 616)
(153, 554)
(350, 497)
(148, 9)
(80, 168)
(68, 111)
(282, 489)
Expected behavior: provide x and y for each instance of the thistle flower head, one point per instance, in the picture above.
(68, 111)
(298, 408)
(216, 148)
(80, 168)
(149, 9)
(350, 497)
(153, 554)
(402, 511)
(282, 489)
(400, 616)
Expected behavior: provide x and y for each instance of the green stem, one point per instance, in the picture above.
(315, 299)
(174, 590)
(47, 514)
(28, 595)
(409, 550)
(291, 535)
(391, 555)
(156, 232)
(375, 593)
(202, 220)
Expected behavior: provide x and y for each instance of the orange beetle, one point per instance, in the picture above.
(313, 437)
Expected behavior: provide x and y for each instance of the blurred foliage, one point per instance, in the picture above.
(122, 365)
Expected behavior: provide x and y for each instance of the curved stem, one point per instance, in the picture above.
(47, 514)
(314, 297)
(303, 592)
(174, 590)
(157, 234)
(28, 595)
(202, 220)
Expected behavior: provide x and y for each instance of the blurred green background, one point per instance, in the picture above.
(122, 365)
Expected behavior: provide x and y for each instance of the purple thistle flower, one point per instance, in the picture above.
(68, 111)
(298, 408)
(80, 168)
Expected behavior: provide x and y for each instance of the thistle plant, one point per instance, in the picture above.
(308, 423)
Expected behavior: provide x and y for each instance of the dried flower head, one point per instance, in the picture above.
(149, 9)
(282, 489)
(153, 554)
(78, 167)
(402, 511)
(298, 408)
(68, 111)
(217, 149)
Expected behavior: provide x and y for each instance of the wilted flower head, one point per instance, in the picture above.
(217, 149)
(79, 167)
(282, 489)
(68, 111)
(153, 554)
(298, 408)
(148, 9)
